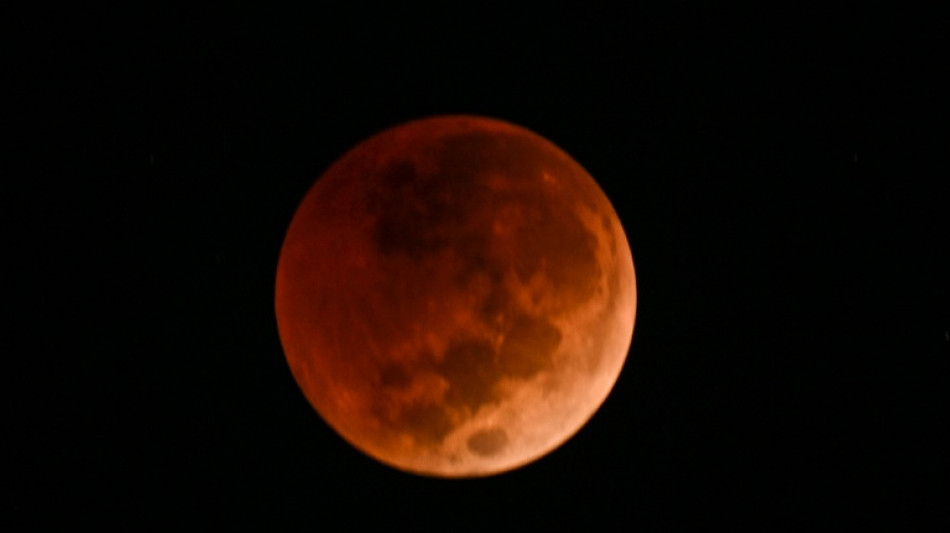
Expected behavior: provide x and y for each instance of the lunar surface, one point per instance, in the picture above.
(455, 296)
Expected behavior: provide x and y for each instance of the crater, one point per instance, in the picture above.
(487, 442)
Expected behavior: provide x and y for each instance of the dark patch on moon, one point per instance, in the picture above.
(473, 368)
(400, 213)
(555, 242)
(552, 237)
(427, 423)
(528, 347)
(486, 152)
(418, 213)
(394, 376)
(476, 181)
(468, 367)
(487, 442)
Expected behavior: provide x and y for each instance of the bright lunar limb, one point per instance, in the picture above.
(455, 296)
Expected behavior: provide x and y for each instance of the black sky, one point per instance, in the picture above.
(782, 176)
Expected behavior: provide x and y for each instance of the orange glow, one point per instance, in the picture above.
(455, 296)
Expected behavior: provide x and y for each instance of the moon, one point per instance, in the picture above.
(455, 296)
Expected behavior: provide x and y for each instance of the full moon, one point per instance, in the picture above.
(455, 296)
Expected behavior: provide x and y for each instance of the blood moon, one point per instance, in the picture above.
(455, 296)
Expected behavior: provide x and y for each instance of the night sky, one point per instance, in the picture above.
(782, 176)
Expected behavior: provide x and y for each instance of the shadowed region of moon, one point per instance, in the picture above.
(487, 442)
(455, 296)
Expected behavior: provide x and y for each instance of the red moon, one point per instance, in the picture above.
(455, 296)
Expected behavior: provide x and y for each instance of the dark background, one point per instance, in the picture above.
(782, 175)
